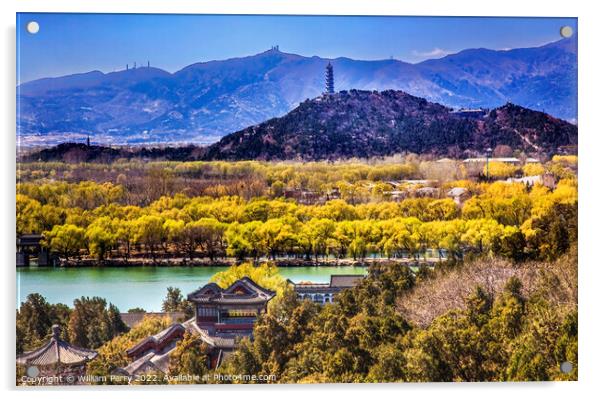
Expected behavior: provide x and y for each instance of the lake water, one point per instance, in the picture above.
(143, 287)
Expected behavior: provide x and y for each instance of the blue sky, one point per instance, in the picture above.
(72, 43)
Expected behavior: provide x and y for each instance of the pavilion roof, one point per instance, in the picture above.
(243, 291)
(56, 351)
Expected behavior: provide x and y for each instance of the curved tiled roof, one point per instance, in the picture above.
(345, 280)
(157, 339)
(149, 362)
(212, 293)
(156, 360)
(217, 341)
(56, 351)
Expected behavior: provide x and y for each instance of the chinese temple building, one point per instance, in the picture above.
(323, 293)
(222, 317)
(232, 311)
(57, 357)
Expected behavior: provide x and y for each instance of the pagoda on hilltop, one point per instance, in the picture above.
(329, 89)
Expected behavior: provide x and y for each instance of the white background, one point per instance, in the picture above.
(590, 165)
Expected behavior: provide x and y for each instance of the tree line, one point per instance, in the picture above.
(140, 183)
(507, 219)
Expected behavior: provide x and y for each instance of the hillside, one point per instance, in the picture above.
(207, 100)
(364, 124)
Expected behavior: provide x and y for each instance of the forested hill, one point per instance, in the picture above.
(79, 152)
(365, 123)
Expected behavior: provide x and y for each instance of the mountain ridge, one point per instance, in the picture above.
(204, 101)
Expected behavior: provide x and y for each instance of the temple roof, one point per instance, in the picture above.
(337, 283)
(243, 291)
(148, 363)
(133, 319)
(345, 280)
(221, 341)
(158, 360)
(175, 330)
(56, 351)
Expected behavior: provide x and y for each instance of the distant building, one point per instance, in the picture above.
(310, 197)
(30, 246)
(547, 180)
(426, 192)
(458, 194)
(329, 89)
(418, 182)
(510, 160)
(526, 180)
(304, 197)
(222, 317)
(323, 293)
(470, 113)
(397, 195)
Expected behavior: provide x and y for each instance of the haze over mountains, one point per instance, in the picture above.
(208, 100)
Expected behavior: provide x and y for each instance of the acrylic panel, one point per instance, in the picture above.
(207, 199)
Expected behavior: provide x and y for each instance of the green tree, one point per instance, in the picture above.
(190, 357)
(265, 275)
(150, 232)
(112, 354)
(101, 237)
(35, 318)
(174, 302)
(91, 323)
(66, 240)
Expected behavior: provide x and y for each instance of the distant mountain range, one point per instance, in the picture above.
(366, 123)
(205, 101)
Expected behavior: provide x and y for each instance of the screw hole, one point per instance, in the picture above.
(566, 32)
(566, 367)
(33, 27)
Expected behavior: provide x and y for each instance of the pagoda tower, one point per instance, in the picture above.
(329, 79)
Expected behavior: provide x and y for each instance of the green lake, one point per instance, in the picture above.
(143, 287)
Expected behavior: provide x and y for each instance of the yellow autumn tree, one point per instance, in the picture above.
(500, 169)
(266, 275)
(533, 169)
(112, 355)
